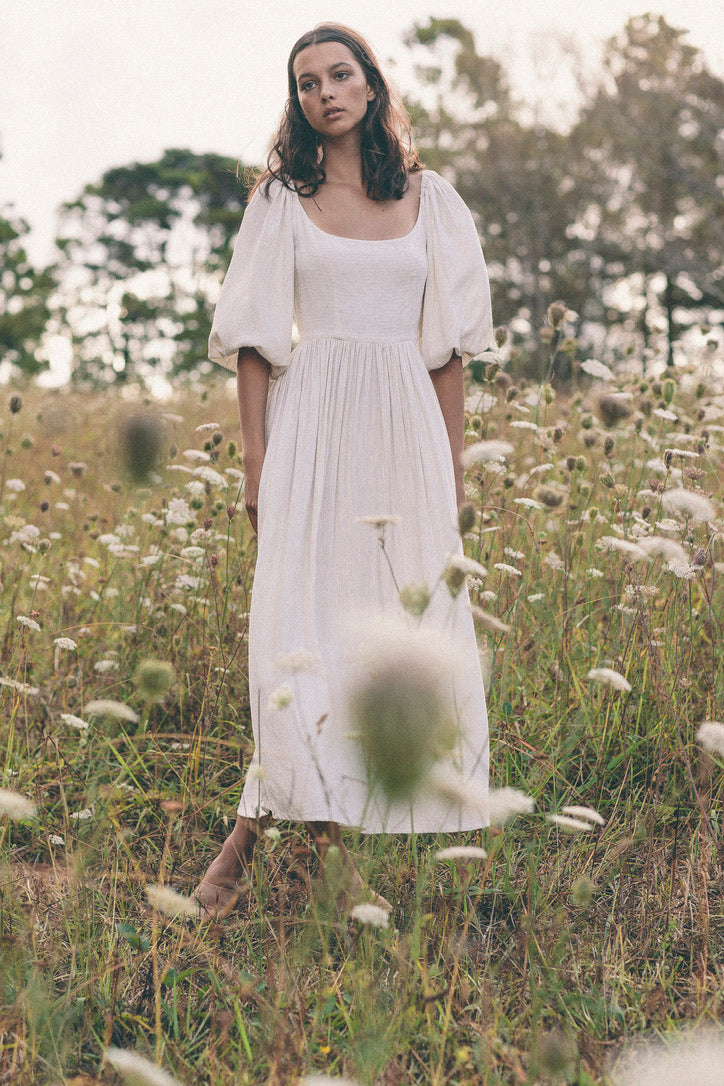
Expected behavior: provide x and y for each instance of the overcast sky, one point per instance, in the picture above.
(90, 84)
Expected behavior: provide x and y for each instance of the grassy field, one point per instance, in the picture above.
(597, 525)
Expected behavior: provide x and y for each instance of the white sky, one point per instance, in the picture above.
(90, 84)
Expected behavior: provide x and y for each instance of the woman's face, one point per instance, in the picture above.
(332, 87)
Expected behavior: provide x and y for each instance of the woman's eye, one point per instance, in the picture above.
(307, 86)
(341, 75)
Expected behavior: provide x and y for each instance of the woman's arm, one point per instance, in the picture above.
(252, 388)
(449, 387)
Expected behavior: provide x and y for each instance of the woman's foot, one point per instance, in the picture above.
(353, 890)
(221, 887)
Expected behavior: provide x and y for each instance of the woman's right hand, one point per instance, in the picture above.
(252, 475)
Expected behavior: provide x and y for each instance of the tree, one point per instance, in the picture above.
(651, 143)
(24, 294)
(143, 252)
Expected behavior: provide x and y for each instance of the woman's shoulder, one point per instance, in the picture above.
(433, 182)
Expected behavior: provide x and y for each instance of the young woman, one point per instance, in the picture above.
(379, 264)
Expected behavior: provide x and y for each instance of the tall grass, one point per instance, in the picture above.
(535, 964)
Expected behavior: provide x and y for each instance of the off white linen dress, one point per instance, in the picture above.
(354, 429)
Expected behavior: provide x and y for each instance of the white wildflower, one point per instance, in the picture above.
(662, 413)
(507, 803)
(541, 468)
(683, 570)
(624, 546)
(209, 475)
(108, 539)
(54, 839)
(184, 468)
(488, 621)
(39, 582)
(609, 677)
(594, 368)
(74, 721)
(29, 623)
(692, 1058)
(461, 852)
(16, 486)
(186, 582)
(566, 822)
(84, 815)
(207, 427)
(528, 503)
(281, 697)
(234, 473)
(136, 1069)
(294, 662)
(20, 688)
(594, 573)
(466, 565)
(710, 736)
(196, 454)
(195, 488)
(15, 806)
(65, 643)
(688, 504)
(666, 548)
(555, 562)
(536, 597)
(502, 567)
(576, 811)
(371, 915)
(178, 512)
(684, 454)
(483, 451)
(169, 902)
(148, 560)
(326, 1080)
(510, 553)
(488, 596)
(107, 707)
(256, 772)
(50, 477)
(104, 666)
(523, 424)
(668, 524)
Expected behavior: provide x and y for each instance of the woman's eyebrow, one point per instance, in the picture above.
(310, 75)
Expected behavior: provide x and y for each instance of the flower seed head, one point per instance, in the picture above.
(154, 679)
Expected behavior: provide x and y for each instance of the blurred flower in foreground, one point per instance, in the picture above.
(325, 1080)
(710, 736)
(107, 707)
(576, 818)
(461, 852)
(15, 806)
(609, 677)
(483, 451)
(154, 679)
(687, 503)
(694, 1058)
(169, 902)
(397, 705)
(141, 436)
(371, 915)
(136, 1069)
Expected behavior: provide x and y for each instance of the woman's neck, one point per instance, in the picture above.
(343, 161)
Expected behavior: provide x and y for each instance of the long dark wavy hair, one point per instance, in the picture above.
(388, 154)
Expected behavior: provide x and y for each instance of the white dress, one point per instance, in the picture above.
(354, 429)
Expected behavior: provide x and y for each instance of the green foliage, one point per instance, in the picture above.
(24, 292)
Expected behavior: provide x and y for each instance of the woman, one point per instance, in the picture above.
(360, 433)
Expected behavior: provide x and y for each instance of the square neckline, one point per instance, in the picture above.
(365, 241)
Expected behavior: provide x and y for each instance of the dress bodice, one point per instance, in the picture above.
(348, 288)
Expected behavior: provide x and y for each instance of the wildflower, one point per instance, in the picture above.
(379, 520)
(82, 816)
(371, 915)
(281, 697)
(102, 667)
(668, 416)
(483, 451)
(624, 546)
(15, 404)
(15, 806)
(613, 407)
(141, 436)
(136, 1069)
(54, 839)
(557, 313)
(683, 570)
(507, 803)
(528, 503)
(213, 478)
(710, 736)
(107, 707)
(666, 548)
(39, 582)
(196, 454)
(567, 822)
(65, 643)
(688, 503)
(20, 688)
(154, 678)
(461, 852)
(16, 486)
(50, 477)
(207, 427)
(576, 811)
(557, 1055)
(458, 567)
(523, 424)
(594, 368)
(609, 677)
(294, 662)
(549, 496)
(691, 1058)
(502, 567)
(594, 573)
(77, 468)
(178, 512)
(29, 623)
(325, 1080)
(536, 597)
(488, 621)
(466, 517)
(582, 891)
(415, 598)
(555, 562)
(74, 721)
(169, 902)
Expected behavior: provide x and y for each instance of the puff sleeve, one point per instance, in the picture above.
(255, 307)
(456, 314)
